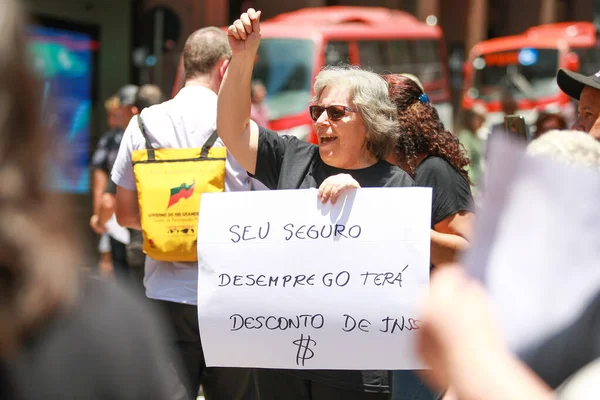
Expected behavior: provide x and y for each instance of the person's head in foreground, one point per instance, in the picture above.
(422, 133)
(37, 258)
(585, 89)
(572, 147)
(354, 120)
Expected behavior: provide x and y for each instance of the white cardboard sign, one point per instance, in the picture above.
(287, 282)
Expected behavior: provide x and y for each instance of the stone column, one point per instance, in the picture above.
(548, 11)
(426, 8)
(477, 23)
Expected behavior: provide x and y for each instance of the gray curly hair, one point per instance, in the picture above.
(369, 93)
(569, 146)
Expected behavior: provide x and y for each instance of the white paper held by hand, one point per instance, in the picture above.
(287, 282)
(537, 243)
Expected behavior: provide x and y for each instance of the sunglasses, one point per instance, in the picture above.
(334, 113)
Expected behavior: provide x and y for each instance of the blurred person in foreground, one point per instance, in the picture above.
(61, 336)
(548, 121)
(147, 95)
(102, 162)
(462, 343)
(186, 121)
(473, 121)
(356, 126)
(434, 158)
(586, 90)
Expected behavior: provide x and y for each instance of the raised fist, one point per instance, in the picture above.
(244, 34)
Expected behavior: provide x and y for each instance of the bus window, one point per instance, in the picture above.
(428, 56)
(373, 55)
(418, 57)
(337, 53)
(403, 58)
(525, 73)
(589, 60)
(284, 66)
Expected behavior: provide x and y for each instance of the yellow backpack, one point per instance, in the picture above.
(170, 183)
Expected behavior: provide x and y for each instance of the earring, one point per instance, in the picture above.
(368, 145)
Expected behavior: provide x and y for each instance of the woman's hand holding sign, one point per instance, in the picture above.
(332, 187)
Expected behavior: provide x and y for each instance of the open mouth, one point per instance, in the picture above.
(327, 139)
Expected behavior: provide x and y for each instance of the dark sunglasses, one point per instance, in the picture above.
(335, 113)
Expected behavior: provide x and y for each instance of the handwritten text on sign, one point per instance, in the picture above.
(286, 282)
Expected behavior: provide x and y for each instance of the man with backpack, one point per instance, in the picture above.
(156, 171)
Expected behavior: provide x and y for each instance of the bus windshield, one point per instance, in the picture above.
(284, 67)
(525, 73)
(419, 57)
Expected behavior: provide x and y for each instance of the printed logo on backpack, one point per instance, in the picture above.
(170, 183)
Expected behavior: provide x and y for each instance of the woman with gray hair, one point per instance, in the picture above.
(353, 117)
(356, 127)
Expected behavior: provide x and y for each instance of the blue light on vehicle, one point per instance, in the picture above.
(151, 61)
(528, 57)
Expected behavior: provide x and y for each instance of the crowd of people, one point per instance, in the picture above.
(65, 335)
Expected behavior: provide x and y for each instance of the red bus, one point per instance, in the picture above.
(525, 65)
(295, 46)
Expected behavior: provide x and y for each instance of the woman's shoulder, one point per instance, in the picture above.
(434, 162)
(437, 172)
(436, 166)
(394, 176)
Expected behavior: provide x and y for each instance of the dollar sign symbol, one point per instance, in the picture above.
(304, 352)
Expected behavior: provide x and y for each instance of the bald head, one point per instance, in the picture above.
(203, 50)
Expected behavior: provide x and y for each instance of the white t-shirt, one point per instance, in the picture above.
(186, 121)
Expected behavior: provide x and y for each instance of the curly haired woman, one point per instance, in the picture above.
(434, 158)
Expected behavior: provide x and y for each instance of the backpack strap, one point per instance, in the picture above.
(148, 145)
(209, 143)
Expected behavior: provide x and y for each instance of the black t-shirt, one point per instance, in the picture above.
(451, 190)
(284, 162)
(569, 350)
(107, 149)
(109, 346)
